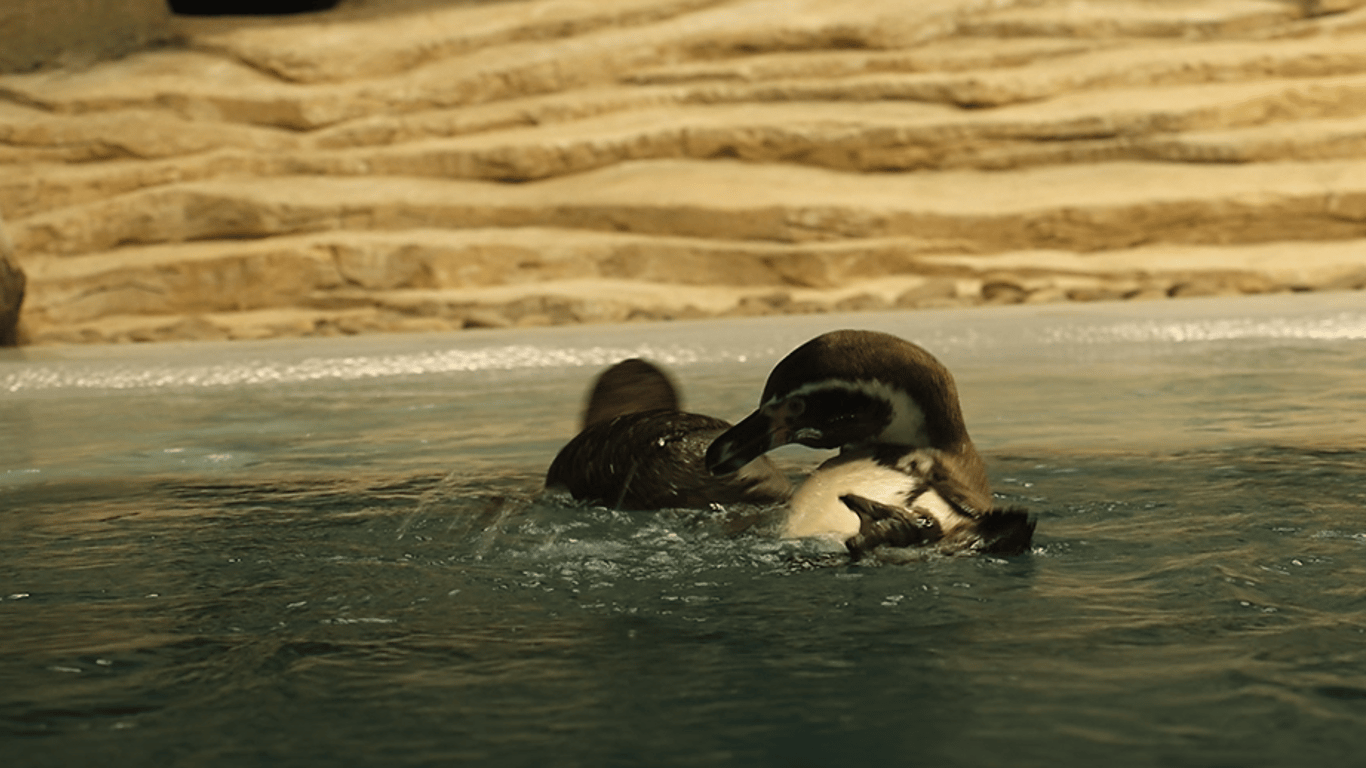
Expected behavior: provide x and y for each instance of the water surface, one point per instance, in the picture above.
(335, 552)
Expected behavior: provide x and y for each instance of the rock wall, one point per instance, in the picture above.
(413, 166)
(45, 33)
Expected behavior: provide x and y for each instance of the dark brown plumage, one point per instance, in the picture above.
(908, 473)
(638, 451)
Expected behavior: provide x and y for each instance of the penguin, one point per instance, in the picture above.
(639, 451)
(907, 473)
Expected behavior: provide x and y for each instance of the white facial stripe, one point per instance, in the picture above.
(907, 426)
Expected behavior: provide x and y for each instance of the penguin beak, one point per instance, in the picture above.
(759, 433)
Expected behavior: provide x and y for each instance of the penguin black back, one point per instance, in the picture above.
(630, 386)
(637, 450)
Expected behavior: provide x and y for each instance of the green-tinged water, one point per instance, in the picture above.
(335, 553)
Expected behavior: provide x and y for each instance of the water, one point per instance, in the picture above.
(334, 552)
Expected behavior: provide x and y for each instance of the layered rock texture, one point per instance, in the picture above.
(414, 166)
(46, 33)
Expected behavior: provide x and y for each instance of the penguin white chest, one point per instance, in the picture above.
(816, 509)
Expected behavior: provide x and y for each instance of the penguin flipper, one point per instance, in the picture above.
(1004, 531)
(887, 525)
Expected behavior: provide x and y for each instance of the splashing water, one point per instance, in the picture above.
(339, 551)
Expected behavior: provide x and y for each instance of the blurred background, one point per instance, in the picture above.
(196, 170)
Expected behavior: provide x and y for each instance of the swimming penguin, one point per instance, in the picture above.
(638, 451)
(907, 473)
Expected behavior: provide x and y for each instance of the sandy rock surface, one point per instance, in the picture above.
(426, 165)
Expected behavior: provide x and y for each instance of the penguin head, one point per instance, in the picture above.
(847, 389)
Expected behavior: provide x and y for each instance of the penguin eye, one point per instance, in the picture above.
(795, 406)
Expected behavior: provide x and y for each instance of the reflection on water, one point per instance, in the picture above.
(361, 569)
